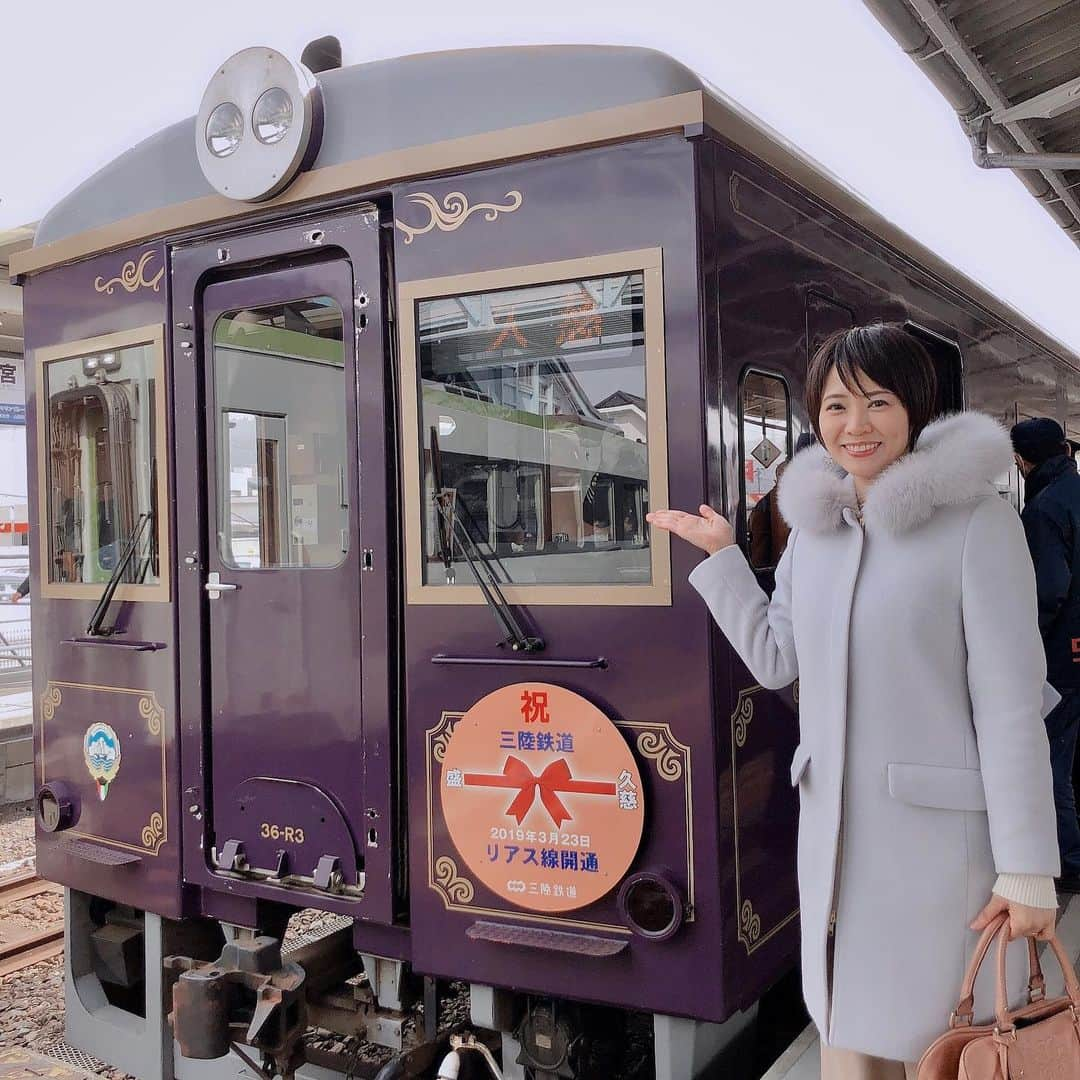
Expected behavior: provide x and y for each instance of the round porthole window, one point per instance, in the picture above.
(56, 807)
(651, 905)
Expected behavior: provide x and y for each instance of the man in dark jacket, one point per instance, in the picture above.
(1051, 518)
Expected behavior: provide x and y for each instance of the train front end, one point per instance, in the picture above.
(345, 600)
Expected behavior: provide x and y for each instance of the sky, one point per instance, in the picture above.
(83, 82)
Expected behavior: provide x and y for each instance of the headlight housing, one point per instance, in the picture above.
(259, 124)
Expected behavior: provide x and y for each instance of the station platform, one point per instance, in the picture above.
(801, 1060)
(16, 746)
(16, 712)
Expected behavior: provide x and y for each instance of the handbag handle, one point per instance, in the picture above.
(964, 1013)
(1072, 984)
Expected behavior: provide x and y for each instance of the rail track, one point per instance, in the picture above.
(21, 945)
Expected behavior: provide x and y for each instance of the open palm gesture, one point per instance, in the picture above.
(709, 531)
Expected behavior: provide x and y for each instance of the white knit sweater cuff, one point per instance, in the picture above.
(1034, 890)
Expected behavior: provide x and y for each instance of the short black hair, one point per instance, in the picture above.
(885, 353)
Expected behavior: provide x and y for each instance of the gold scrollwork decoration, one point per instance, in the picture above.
(153, 835)
(454, 212)
(454, 888)
(440, 735)
(749, 924)
(152, 713)
(744, 714)
(132, 277)
(662, 747)
(50, 702)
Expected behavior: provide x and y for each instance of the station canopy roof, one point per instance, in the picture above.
(11, 320)
(1011, 69)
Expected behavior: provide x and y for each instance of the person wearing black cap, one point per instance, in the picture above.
(1051, 518)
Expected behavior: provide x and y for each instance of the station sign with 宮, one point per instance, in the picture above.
(12, 391)
(542, 797)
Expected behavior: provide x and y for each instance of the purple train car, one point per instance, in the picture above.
(348, 398)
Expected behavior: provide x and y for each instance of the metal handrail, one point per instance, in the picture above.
(10, 649)
(16, 655)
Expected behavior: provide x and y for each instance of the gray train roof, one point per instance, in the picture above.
(389, 120)
(390, 105)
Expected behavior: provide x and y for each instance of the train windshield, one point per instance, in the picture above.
(102, 462)
(538, 398)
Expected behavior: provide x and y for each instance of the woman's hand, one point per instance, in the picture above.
(1024, 921)
(710, 531)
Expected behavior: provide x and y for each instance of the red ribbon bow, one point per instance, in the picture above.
(555, 778)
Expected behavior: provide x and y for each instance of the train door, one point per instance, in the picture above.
(283, 572)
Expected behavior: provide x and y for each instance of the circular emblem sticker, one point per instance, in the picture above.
(542, 797)
(101, 751)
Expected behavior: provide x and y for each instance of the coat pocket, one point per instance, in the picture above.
(799, 763)
(938, 786)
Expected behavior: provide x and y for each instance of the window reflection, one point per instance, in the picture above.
(279, 377)
(102, 464)
(765, 436)
(535, 400)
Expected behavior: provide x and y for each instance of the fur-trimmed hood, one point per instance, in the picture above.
(955, 460)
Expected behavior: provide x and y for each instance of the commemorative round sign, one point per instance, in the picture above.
(542, 797)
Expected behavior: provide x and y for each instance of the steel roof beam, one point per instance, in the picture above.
(1044, 106)
(1027, 161)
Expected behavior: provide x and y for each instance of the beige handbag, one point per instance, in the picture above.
(1040, 1041)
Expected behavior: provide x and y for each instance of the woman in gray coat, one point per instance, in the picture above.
(905, 605)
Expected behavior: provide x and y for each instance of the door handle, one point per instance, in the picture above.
(215, 586)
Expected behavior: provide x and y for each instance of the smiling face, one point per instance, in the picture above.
(865, 430)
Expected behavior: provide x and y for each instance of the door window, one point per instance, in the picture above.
(280, 393)
(765, 446)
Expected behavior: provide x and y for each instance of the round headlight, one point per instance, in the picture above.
(273, 116)
(224, 130)
(281, 106)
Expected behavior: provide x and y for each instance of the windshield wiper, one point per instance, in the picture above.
(94, 627)
(451, 527)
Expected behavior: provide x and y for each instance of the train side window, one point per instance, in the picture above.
(279, 385)
(540, 406)
(765, 441)
(101, 452)
(948, 366)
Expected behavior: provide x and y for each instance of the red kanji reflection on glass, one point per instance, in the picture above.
(581, 322)
(510, 331)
